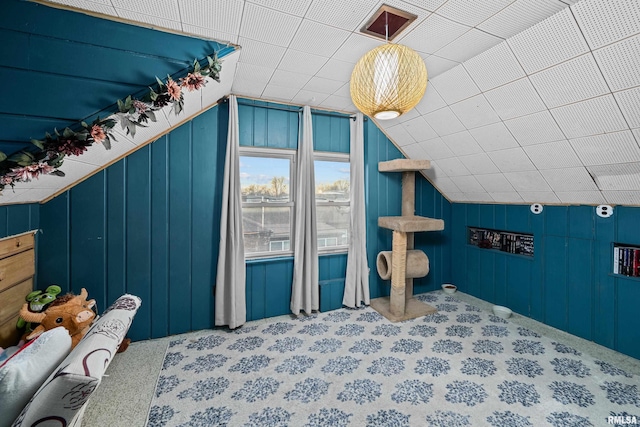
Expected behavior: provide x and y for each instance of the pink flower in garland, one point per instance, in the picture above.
(97, 133)
(140, 106)
(193, 81)
(6, 180)
(27, 173)
(71, 147)
(173, 90)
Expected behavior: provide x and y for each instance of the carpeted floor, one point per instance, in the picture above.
(460, 367)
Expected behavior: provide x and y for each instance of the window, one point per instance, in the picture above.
(332, 176)
(267, 202)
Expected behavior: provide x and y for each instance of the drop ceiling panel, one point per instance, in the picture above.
(289, 79)
(527, 181)
(436, 149)
(432, 34)
(478, 197)
(494, 183)
(347, 15)
(222, 16)
(196, 31)
(472, 12)
(322, 85)
(446, 185)
(494, 67)
(511, 160)
(338, 103)
(622, 197)
(536, 128)
(437, 65)
(419, 129)
(515, 99)
(301, 62)
(265, 25)
(605, 22)
(308, 97)
(282, 93)
(355, 47)
(444, 122)
(153, 21)
(400, 135)
(608, 148)
(451, 167)
(336, 70)
(457, 197)
(478, 164)
(475, 111)
(519, 16)
(382, 124)
(414, 151)
(494, 137)
(539, 197)
(294, 7)
(467, 184)
(506, 197)
(617, 177)
(431, 101)
(590, 117)
(462, 143)
(192, 106)
(307, 40)
(620, 63)
(248, 88)
(430, 5)
(167, 9)
(455, 85)
(468, 45)
(554, 40)
(258, 53)
(73, 170)
(581, 197)
(103, 6)
(565, 83)
(552, 155)
(253, 73)
(629, 102)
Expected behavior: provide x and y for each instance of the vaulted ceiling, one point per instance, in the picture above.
(528, 100)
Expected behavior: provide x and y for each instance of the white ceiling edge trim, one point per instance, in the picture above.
(80, 168)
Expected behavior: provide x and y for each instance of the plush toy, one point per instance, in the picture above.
(38, 301)
(73, 312)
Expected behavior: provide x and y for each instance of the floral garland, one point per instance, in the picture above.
(46, 156)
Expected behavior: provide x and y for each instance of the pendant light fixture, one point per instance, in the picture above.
(389, 80)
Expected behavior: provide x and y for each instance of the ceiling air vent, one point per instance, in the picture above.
(396, 19)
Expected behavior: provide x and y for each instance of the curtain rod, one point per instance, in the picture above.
(292, 109)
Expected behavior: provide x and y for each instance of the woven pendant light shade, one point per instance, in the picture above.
(388, 81)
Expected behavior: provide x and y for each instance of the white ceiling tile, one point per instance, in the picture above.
(307, 39)
(629, 102)
(451, 167)
(494, 183)
(336, 70)
(253, 73)
(322, 85)
(279, 93)
(437, 65)
(419, 129)
(432, 34)
(478, 197)
(515, 99)
(468, 45)
(223, 16)
(100, 7)
(622, 197)
(457, 197)
(536, 128)
(444, 122)
(399, 135)
(436, 149)
(510, 197)
(455, 85)
(527, 181)
(620, 63)
(565, 83)
(462, 143)
(258, 53)
(191, 108)
(590, 117)
(418, 8)
(549, 42)
(153, 21)
(431, 101)
(301, 62)
(345, 92)
(445, 185)
(209, 33)
(355, 47)
(519, 16)
(248, 88)
(167, 9)
(73, 171)
(409, 115)
(467, 184)
(472, 12)
(552, 155)
(608, 148)
(494, 67)
(289, 79)
(338, 103)
(618, 177)
(478, 164)
(511, 160)
(494, 137)
(266, 25)
(605, 22)
(539, 196)
(430, 5)
(414, 151)
(294, 7)
(475, 111)
(636, 134)
(581, 197)
(345, 14)
(308, 97)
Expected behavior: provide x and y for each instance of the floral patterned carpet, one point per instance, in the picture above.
(459, 367)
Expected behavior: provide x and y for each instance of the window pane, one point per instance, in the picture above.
(266, 229)
(264, 179)
(333, 226)
(332, 180)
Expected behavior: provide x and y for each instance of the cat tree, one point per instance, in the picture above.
(404, 263)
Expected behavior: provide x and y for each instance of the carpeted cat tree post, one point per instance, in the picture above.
(404, 263)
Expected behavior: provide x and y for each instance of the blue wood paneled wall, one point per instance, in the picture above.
(16, 219)
(568, 284)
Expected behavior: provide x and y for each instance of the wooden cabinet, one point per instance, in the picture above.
(17, 268)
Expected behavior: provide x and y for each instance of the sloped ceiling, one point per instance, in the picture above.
(528, 101)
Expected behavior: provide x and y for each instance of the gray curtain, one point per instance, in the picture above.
(356, 286)
(230, 301)
(305, 292)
